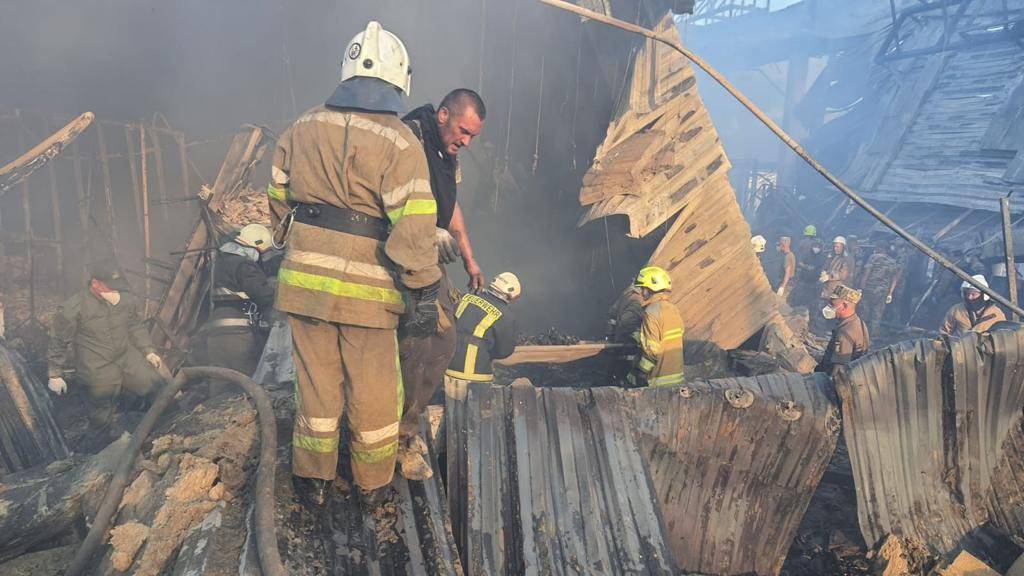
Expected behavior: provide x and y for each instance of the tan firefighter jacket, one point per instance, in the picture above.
(370, 163)
(660, 337)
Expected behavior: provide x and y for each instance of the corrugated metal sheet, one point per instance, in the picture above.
(733, 482)
(713, 477)
(935, 438)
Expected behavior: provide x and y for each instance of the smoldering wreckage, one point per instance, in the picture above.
(908, 460)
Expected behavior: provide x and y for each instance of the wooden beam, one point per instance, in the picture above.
(22, 166)
(556, 354)
(145, 220)
(1011, 265)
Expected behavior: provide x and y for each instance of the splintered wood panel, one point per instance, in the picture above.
(717, 281)
(661, 148)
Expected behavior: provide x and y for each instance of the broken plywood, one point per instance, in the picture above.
(712, 477)
(935, 439)
(660, 149)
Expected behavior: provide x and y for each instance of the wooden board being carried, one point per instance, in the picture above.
(556, 354)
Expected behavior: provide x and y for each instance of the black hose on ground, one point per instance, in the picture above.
(266, 532)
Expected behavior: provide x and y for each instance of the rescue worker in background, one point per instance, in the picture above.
(350, 191)
(787, 268)
(809, 262)
(877, 284)
(660, 337)
(850, 337)
(625, 316)
(486, 331)
(837, 268)
(101, 329)
(975, 314)
(241, 294)
(443, 133)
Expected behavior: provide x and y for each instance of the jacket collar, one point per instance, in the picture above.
(369, 94)
(247, 252)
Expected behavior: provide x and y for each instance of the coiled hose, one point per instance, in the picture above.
(266, 532)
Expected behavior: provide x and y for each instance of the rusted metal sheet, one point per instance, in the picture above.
(734, 463)
(660, 149)
(935, 439)
(713, 477)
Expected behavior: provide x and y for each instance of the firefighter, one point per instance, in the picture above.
(350, 195)
(625, 316)
(241, 295)
(787, 269)
(850, 338)
(486, 330)
(809, 261)
(99, 333)
(976, 313)
(877, 283)
(660, 336)
(443, 133)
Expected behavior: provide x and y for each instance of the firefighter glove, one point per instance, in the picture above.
(424, 313)
(58, 386)
(447, 247)
(154, 360)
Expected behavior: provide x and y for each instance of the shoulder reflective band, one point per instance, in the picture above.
(413, 208)
(338, 287)
(275, 193)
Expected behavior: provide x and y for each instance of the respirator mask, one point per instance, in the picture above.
(828, 312)
(111, 298)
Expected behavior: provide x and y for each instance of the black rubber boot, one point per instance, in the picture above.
(312, 492)
(373, 499)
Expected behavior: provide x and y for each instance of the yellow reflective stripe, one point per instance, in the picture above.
(668, 380)
(672, 335)
(413, 208)
(463, 304)
(470, 377)
(375, 455)
(313, 444)
(470, 365)
(645, 365)
(338, 287)
(275, 193)
(378, 435)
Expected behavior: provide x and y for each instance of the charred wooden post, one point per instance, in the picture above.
(18, 170)
(107, 189)
(147, 250)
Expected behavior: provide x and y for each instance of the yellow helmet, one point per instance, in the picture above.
(654, 279)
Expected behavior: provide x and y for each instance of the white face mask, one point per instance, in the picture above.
(112, 298)
(828, 312)
(816, 249)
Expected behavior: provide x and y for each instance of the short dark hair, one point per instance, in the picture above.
(457, 100)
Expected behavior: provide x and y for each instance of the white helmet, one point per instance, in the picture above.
(507, 285)
(377, 53)
(254, 235)
(980, 279)
(839, 240)
(758, 242)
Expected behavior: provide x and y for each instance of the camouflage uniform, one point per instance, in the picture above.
(879, 274)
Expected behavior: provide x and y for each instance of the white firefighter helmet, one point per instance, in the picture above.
(980, 278)
(506, 284)
(377, 53)
(839, 240)
(255, 235)
(758, 242)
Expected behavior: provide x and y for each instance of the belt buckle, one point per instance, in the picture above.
(312, 211)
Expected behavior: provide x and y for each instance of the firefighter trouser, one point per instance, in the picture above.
(103, 384)
(351, 369)
(423, 360)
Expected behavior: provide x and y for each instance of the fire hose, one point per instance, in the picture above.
(266, 532)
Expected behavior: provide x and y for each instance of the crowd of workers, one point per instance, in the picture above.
(363, 202)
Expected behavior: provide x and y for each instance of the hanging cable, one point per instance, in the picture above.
(508, 115)
(576, 92)
(540, 111)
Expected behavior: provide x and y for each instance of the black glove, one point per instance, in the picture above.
(421, 320)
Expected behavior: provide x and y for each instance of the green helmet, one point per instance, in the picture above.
(810, 230)
(654, 279)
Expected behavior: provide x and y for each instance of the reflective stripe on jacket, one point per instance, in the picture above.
(660, 338)
(485, 331)
(370, 163)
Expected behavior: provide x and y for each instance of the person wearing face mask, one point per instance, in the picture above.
(809, 260)
(975, 314)
(850, 338)
(99, 333)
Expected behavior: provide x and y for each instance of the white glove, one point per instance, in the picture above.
(824, 277)
(888, 299)
(154, 360)
(58, 386)
(447, 247)
(780, 291)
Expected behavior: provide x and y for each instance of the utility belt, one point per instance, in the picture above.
(342, 220)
